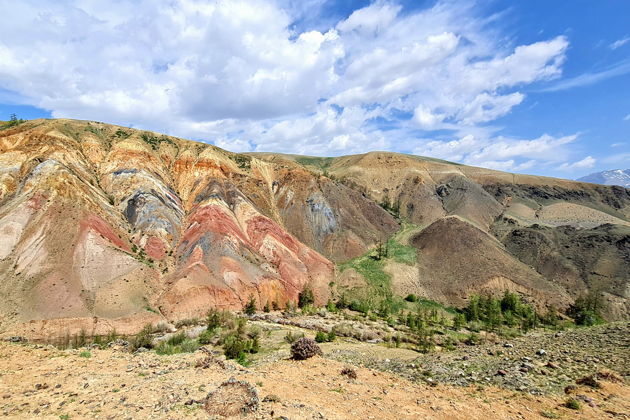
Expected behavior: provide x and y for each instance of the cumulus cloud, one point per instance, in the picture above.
(587, 162)
(239, 74)
(501, 153)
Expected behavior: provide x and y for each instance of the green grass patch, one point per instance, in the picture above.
(400, 253)
(167, 348)
(371, 269)
(321, 163)
(85, 354)
(431, 304)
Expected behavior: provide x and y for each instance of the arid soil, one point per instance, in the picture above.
(112, 383)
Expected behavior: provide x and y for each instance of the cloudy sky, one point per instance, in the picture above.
(532, 86)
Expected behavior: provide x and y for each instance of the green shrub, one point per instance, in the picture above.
(332, 336)
(142, 339)
(586, 310)
(189, 346)
(166, 348)
(321, 337)
(79, 340)
(473, 339)
(177, 339)
(206, 337)
(572, 403)
(306, 297)
(330, 306)
(85, 354)
(250, 308)
(217, 319)
(233, 346)
(411, 298)
(459, 321)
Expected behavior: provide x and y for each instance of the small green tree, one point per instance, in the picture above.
(473, 310)
(493, 314)
(586, 310)
(250, 308)
(510, 302)
(459, 321)
(306, 297)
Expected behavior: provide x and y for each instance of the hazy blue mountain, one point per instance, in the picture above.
(612, 177)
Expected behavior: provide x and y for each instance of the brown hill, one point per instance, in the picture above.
(114, 226)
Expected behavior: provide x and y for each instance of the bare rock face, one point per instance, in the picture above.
(232, 398)
(101, 223)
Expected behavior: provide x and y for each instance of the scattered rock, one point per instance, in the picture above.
(349, 372)
(273, 398)
(589, 381)
(569, 389)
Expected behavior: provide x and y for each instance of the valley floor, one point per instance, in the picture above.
(45, 382)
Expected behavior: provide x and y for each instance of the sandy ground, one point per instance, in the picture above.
(43, 382)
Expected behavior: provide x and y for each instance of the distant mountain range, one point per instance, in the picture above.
(614, 177)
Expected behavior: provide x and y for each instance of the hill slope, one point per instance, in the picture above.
(105, 226)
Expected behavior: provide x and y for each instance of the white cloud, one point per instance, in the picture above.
(619, 43)
(587, 162)
(501, 153)
(239, 74)
(586, 79)
(626, 118)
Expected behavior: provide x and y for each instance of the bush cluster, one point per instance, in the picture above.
(510, 310)
(305, 348)
(322, 337)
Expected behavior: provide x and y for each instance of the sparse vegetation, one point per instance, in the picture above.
(154, 141)
(143, 339)
(242, 161)
(177, 343)
(238, 342)
(14, 121)
(250, 307)
(586, 310)
(509, 311)
(306, 297)
(573, 404)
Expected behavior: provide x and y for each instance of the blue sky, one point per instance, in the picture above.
(531, 86)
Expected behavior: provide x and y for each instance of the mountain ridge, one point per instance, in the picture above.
(620, 177)
(124, 226)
